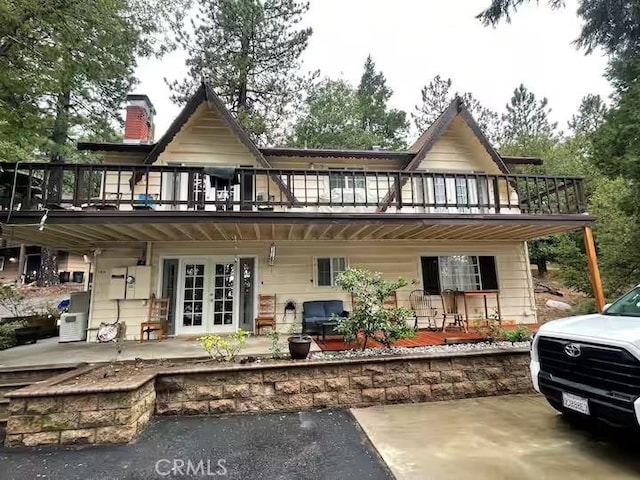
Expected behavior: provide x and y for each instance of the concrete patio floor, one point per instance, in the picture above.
(511, 437)
(50, 352)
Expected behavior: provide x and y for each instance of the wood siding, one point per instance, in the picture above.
(206, 140)
(459, 150)
(292, 276)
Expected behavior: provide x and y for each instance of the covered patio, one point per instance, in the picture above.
(49, 351)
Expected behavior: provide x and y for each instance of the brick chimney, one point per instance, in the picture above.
(138, 124)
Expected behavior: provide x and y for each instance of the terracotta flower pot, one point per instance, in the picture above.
(299, 347)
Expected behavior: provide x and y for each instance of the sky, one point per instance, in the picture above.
(411, 41)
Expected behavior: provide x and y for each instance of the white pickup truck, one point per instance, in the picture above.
(590, 365)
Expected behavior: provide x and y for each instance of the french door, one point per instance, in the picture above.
(207, 301)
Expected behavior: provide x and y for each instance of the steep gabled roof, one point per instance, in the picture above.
(206, 94)
(438, 128)
(427, 140)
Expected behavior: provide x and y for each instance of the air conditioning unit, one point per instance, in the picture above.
(73, 327)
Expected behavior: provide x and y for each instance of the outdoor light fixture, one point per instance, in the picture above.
(43, 220)
(272, 254)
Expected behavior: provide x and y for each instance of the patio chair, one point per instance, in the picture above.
(266, 313)
(423, 308)
(451, 314)
(157, 319)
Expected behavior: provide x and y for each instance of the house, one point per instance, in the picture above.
(206, 218)
(19, 264)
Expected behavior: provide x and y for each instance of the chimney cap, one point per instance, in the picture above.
(136, 97)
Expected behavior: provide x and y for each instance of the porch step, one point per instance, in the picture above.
(15, 378)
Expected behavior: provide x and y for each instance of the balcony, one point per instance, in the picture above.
(135, 194)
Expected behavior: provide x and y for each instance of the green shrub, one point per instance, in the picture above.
(7, 335)
(369, 316)
(520, 334)
(12, 300)
(275, 348)
(224, 348)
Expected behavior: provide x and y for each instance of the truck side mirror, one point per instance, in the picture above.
(606, 307)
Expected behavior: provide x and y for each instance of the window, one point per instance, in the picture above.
(626, 306)
(327, 269)
(346, 179)
(458, 272)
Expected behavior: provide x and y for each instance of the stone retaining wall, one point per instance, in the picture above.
(354, 383)
(59, 413)
(94, 418)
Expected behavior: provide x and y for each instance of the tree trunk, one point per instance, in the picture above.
(48, 273)
(542, 266)
(22, 258)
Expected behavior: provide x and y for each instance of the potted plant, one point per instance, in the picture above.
(299, 343)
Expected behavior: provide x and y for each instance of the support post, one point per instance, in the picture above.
(22, 258)
(594, 272)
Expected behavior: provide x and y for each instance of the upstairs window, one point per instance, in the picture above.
(339, 178)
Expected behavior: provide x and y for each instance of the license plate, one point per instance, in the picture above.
(576, 403)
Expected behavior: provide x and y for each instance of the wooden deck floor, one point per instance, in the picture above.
(423, 338)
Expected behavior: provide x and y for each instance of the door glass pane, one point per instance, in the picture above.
(170, 271)
(224, 279)
(193, 294)
(246, 316)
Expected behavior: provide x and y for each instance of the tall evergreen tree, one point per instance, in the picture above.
(612, 25)
(435, 97)
(438, 94)
(249, 52)
(387, 125)
(65, 68)
(527, 128)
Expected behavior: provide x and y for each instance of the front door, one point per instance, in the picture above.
(207, 296)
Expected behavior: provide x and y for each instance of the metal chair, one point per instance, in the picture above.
(422, 307)
(450, 306)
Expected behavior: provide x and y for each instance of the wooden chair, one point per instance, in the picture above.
(157, 319)
(422, 307)
(266, 313)
(450, 306)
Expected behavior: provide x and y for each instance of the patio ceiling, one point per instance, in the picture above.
(97, 231)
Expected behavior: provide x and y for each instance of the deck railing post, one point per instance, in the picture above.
(496, 194)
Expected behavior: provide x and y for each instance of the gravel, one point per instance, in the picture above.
(457, 347)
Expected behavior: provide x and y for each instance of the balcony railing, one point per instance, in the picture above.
(38, 186)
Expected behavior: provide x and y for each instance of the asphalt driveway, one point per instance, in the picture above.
(313, 445)
(515, 437)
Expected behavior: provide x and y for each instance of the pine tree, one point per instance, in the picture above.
(435, 97)
(612, 25)
(527, 129)
(387, 125)
(249, 52)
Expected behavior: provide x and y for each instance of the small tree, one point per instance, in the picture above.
(369, 316)
(12, 300)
